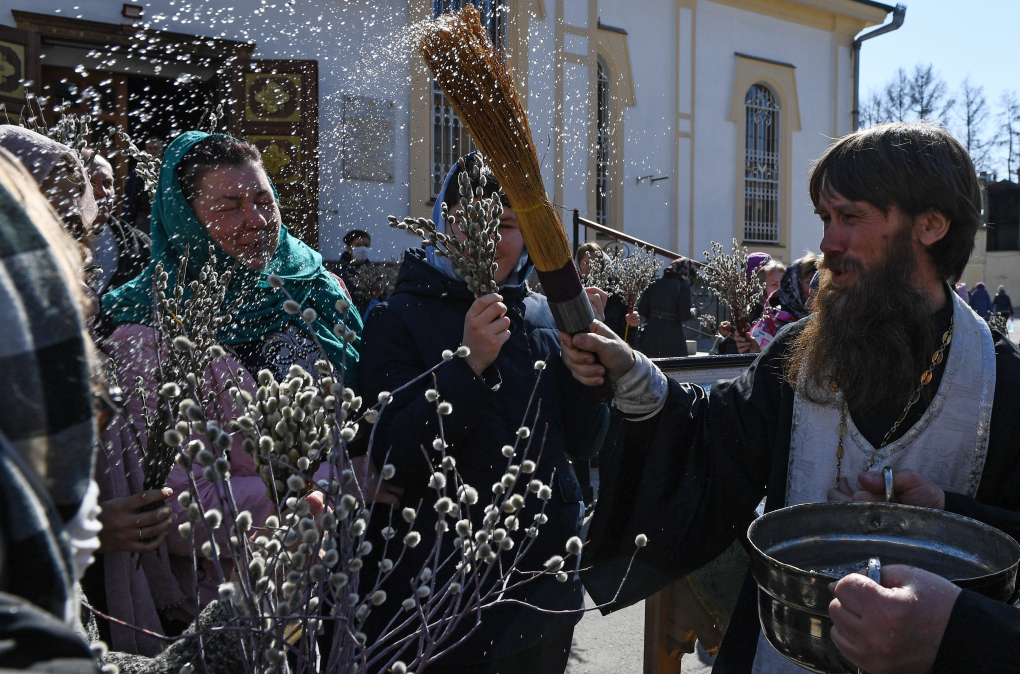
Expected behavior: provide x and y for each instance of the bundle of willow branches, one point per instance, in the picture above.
(709, 323)
(635, 272)
(478, 219)
(287, 431)
(999, 322)
(601, 272)
(297, 575)
(211, 118)
(726, 275)
(72, 130)
(186, 330)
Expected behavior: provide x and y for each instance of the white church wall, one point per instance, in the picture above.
(649, 132)
(355, 46)
(723, 31)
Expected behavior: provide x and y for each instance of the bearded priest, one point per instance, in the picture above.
(891, 368)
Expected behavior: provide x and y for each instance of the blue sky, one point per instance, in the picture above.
(959, 37)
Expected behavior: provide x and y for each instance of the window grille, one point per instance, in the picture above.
(602, 145)
(761, 166)
(450, 139)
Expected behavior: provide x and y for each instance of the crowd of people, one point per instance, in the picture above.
(843, 338)
(214, 195)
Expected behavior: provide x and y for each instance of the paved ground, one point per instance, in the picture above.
(614, 644)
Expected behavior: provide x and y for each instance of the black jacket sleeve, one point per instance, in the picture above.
(1004, 520)
(688, 478)
(389, 359)
(983, 635)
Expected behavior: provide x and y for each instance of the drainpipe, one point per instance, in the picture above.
(899, 13)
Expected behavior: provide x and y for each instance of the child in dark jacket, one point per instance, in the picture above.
(432, 310)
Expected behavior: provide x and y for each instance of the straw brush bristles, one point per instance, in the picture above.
(481, 89)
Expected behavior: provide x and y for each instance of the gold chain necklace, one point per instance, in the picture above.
(926, 378)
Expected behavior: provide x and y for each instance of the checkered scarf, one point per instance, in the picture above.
(45, 393)
(46, 430)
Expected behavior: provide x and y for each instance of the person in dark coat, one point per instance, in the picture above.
(137, 204)
(666, 306)
(357, 243)
(1001, 303)
(432, 310)
(980, 301)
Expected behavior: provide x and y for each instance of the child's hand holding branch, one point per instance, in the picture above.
(486, 329)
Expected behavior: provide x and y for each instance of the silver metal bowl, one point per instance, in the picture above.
(798, 551)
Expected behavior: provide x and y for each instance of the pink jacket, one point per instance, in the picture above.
(133, 348)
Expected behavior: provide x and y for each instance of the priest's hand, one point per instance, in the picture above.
(895, 627)
(909, 487)
(613, 354)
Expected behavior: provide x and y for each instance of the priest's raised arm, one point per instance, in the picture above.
(688, 472)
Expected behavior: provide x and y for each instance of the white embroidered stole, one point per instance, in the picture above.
(948, 445)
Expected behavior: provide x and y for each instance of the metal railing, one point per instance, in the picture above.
(702, 297)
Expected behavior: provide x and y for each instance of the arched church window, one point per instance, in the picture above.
(761, 166)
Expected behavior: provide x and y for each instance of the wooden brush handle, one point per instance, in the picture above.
(572, 311)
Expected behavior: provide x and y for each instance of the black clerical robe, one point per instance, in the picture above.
(691, 476)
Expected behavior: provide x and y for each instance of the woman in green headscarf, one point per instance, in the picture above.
(212, 190)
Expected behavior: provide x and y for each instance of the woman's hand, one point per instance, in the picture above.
(633, 319)
(745, 343)
(127, 530)
(486, 329)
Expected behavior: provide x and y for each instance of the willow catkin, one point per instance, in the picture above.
(481, 89)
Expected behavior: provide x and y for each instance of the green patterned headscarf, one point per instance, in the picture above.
(174, 228)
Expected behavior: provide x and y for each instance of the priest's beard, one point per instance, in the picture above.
(873, 340)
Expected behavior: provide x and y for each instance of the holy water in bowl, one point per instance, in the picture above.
(840, 557)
